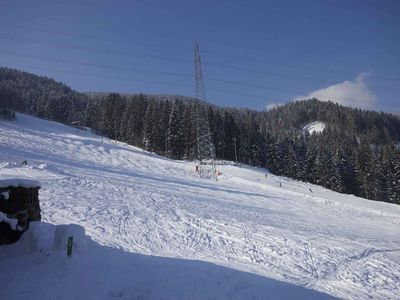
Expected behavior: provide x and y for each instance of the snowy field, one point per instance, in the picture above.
(158, 231)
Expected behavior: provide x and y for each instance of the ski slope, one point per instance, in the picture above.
(314, 127)
(245, 231)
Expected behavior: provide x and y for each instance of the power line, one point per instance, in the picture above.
(302, 67)
(64, 45)
(282, 75)
(173, 74)
(97, 65)
(287, 35)
(84, 36)
(185, 50)
(235, 83)
(118, 78)
(180, 60)
(165, 73)
(101, 76)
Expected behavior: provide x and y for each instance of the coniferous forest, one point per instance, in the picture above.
(357, 153)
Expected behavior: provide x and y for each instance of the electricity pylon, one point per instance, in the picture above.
(205, 145)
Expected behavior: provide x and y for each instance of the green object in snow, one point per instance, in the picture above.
(69, 246)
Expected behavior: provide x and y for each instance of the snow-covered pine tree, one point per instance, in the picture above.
(391, 164)
(190, 131)
(175, 131)
(148, 128)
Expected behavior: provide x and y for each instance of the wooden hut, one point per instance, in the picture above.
(19, 199)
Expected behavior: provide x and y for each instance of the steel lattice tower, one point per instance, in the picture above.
(205, 146)
(198, 74)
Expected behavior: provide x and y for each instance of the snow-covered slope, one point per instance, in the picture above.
(314, 127)
(133, 204)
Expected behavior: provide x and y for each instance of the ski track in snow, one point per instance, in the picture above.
(129, 199)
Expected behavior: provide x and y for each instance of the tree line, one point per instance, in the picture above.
(357, 153)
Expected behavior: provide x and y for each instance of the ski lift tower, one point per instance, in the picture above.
(205, 145)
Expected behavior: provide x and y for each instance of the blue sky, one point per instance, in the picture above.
(255, 54)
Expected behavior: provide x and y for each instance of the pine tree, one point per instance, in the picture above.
(345, 173)
(164, 124)
(363, 169)
(109, 122)
(190, 131)
(391, 164)
(175, 131)
(379, 181)
(300, 150)
(229, 132)
(149, 138)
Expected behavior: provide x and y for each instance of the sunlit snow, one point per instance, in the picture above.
(314, 127)
(229, 239)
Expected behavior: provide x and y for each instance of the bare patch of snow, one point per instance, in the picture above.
(314, 127)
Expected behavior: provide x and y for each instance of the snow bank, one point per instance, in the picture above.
(62, 233)
(50, 239)
(19, 182)
(108, 273)
(38, 238)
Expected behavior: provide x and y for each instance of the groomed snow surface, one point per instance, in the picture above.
(155, 230)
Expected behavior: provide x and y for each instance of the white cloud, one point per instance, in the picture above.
(273, 105)
(348, 93)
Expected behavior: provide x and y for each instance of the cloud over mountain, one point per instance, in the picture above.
(348, 93)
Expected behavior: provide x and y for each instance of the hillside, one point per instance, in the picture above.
(355, 154)
(232, 238)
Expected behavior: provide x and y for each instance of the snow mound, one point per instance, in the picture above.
(63, 232)
(314, 127)
(49, 239)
